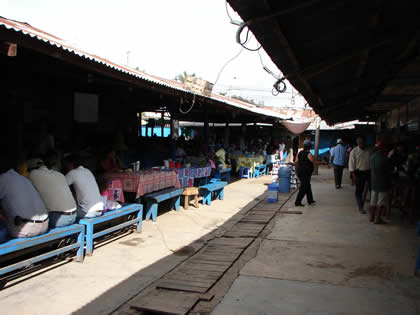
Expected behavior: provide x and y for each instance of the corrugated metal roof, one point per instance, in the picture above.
(53, 40)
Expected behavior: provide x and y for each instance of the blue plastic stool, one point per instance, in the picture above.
(244, 172)
(417, 267)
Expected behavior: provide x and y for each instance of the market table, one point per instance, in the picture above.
(250, 162)
(145, 181)
(187, 175)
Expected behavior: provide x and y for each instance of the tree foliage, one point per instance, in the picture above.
(182, 76)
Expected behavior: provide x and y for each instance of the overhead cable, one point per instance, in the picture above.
(240, 41)
(225, 65)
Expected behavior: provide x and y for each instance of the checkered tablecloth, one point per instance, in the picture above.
(146, 181)
(187, 175)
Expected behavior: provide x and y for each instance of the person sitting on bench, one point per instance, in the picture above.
(54, 191)
(109, 161)
(3, 229)
(26, 215)
(89, 201)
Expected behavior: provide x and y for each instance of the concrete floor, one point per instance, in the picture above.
(119, 270)
(329, 260)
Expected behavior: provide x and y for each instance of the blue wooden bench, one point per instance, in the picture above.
(215, 186)
(17, 244)
(223, 174)
(89, 223)
(260, 170)
(152, 200)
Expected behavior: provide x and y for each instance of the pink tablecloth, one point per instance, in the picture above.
(115, 190)
(145, 181)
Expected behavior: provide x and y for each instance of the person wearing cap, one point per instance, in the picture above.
(359, 168)
(305, 166)
(25, 212)
(55, 193)
(89, 200)
(338, 159)
(381, 179)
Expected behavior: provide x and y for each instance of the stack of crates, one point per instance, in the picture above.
(198, 85)
(273, 192)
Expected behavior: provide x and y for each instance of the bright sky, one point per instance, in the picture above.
(163, 37)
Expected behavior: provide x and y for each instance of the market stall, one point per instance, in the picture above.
(145, 181)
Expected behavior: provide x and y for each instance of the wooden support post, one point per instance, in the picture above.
(242, 139)
(317, 135)
(227, 135)
(206, 129)
(162, 122)
(140, 124)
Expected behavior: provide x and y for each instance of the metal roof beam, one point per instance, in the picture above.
(292, 56)
(373, 23)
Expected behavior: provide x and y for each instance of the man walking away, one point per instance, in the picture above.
(359, 167)
(381, 175)
(338, 159)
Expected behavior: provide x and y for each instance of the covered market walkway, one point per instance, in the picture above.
(329, 260)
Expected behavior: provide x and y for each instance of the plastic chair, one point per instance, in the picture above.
(244, 172)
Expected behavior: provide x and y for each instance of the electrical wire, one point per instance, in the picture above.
(279, 86)
(243, 43)
(227, 12)
(266, 68)
(192, 105)
(224, 66)
(222, 87)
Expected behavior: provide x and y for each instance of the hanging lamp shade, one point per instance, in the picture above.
(296, 128)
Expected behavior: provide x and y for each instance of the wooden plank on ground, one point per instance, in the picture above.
(194, 282)
(195, 272)
(227, 258)
(206, 297)
(248, 226)
(205, 267)
(259, 214)
(262, 221)
(240, 242)
(169, 285)
(166, 302)
(220, 252)
(290, 212)
(241, 234)
(206, 262)
(202, 276)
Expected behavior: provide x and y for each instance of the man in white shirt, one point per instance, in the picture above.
(54, 191)
(89, 201)
(22, 206)
(359, 168)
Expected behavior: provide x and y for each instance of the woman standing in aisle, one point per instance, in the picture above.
(305, 166)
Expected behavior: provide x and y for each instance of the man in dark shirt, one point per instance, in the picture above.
(381, 176)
